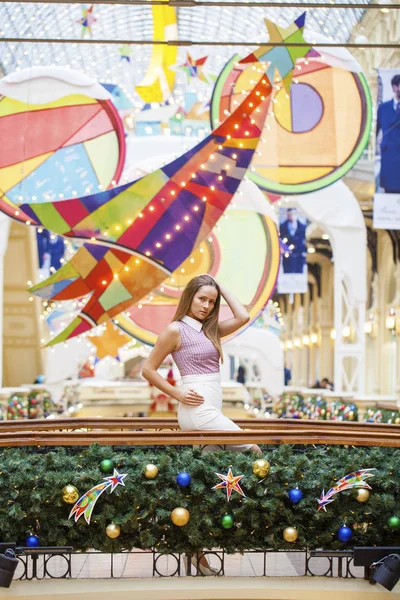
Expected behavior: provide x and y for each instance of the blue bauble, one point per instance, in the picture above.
(32, 541)
(295, 495)
(183, 479)
(344, 533)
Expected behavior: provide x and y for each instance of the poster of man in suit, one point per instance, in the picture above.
(388, 131)
(51, 249)
(387, 160)
(293, 272)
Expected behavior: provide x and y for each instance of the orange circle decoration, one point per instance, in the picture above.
(313, 134)
(243, 253)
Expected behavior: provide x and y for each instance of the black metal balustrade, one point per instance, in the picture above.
(53, 562)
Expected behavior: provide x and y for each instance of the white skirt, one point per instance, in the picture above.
(207, 416)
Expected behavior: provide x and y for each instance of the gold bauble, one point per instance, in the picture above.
(70, 494)
(113, 531)
(261, 468)
(180, 516)
(362, 495)
(151, 471)
(397, 420)
(290, 534)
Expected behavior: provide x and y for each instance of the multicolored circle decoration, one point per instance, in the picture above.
(67, 141)
(243, 253)
(314, 135)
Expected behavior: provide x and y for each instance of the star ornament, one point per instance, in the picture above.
(110, 342)
(125, 51)
(282, 58)
(230, 483)
(116, 479)
(87, 19)
(194, 68)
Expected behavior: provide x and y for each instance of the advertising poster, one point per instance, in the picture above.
(387, 159)
(292, 277)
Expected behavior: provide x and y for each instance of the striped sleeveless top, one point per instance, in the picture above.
(197, 354)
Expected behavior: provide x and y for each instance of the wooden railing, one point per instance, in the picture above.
(165, 432)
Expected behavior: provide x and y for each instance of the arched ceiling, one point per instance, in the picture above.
(124, 22)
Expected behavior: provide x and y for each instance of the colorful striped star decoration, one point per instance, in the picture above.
(230, 483)
(87, 19)
(282, 58)
(137, 234)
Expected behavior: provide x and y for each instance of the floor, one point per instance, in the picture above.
(199, 588)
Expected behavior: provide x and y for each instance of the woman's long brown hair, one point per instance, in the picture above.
(210, 324)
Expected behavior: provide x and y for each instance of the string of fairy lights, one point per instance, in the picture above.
(77, 305)
(213, 163)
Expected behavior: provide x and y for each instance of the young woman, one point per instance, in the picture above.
(194, 341)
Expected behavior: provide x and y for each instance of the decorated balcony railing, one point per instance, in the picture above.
(49, 466)
(160, 432)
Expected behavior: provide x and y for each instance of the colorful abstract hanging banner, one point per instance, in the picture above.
(159, 79)
(71, 142)
(387, 156)
(149, 227)
(137, 234)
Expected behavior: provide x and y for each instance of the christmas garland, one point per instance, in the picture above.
(382, 415)
(38, 489)
(35, 404)
(296, 406)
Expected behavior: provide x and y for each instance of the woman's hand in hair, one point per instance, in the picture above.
(191, 398)
(211, 277)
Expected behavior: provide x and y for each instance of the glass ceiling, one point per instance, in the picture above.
(123, 22)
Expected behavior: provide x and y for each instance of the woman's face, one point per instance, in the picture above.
(203, 302)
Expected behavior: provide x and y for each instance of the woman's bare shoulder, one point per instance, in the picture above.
(172, 333)
(172, 328)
